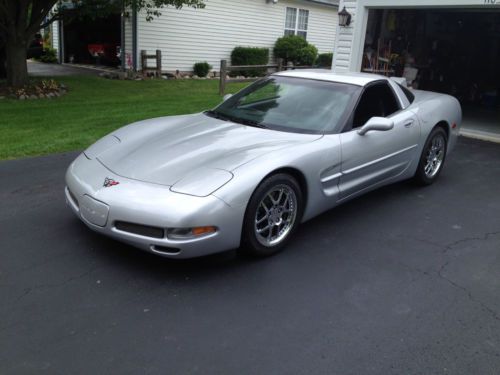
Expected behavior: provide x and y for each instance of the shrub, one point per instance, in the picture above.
(49, 55)
(250, 56)
(288, 48)
(201, 69)
(307, 55)
(325, 60)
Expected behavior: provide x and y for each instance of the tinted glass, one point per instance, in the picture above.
(378, 100)
(408, 93)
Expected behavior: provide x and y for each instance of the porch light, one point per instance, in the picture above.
(344, 18)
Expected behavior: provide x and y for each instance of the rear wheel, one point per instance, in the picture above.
(272, 215)
(432, 158)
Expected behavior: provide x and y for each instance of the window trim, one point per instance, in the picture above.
(296, 29)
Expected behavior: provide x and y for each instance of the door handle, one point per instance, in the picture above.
(408, 124)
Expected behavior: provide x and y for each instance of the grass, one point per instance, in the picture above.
(94, 107)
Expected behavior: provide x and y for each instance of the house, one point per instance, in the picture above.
(187, 35)
(450, 46)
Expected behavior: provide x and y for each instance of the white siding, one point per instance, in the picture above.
(128, 48)
(55, 36)
(189, 35)
(344, 41)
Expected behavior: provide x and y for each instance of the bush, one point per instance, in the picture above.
(307, 55)
(288, 47)
(325, 60)
(49, 55)
(250, 56)
(201, 69)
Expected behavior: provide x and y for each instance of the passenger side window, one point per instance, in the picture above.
(378, 100)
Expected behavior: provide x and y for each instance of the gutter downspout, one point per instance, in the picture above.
(61, 41)
(122, 40)
(134, 36)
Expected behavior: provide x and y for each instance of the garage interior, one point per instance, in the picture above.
(94, 41)
(451, 51)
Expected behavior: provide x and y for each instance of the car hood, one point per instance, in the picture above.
(167, 149)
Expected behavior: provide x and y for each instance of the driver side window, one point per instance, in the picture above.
(378, 100)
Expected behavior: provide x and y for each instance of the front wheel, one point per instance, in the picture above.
(432, 158)
(272, 215)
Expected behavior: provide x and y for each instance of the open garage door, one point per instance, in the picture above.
(454, 51)
(93, 41)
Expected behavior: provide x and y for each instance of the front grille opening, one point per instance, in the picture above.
(142, 230)
(165, 250)
(73, 198)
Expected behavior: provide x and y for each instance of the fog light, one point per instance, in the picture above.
(188, 233)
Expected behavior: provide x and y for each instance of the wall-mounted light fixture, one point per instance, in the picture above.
(271, 1)
(344, 18)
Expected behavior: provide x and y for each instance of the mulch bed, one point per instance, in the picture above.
(44, 89)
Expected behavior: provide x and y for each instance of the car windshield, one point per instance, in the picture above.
(290, 104)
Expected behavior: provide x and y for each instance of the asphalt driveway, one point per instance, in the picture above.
(401, 281)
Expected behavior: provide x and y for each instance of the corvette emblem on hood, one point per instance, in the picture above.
(108, 182)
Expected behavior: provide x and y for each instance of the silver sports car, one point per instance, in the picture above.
(245, 174)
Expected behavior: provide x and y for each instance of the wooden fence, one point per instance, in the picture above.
(156, 70)
(225, 69)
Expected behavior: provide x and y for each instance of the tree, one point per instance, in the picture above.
(21, 19)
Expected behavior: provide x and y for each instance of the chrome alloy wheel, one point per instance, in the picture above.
(435, 156)
(275, 215)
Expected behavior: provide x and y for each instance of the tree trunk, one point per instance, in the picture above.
(17, 67)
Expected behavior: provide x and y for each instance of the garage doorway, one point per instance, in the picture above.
(451, 51)
(94, 41)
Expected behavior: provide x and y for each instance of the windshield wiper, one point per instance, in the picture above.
(224, 117)
(218, 115)
(250, 123)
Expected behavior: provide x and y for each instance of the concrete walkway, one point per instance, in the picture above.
(56, 70)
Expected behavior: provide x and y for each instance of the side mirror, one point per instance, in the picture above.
(226, 97)
(376, 123)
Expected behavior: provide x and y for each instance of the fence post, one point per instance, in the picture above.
(143, 60)
(279, 60)
(222, 73)
(158, 63)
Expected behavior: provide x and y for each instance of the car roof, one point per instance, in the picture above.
(352, 78)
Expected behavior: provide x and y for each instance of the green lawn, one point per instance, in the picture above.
(94, 107)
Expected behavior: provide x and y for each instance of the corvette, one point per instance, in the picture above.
(246, 173)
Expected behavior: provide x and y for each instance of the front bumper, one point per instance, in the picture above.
(141, 204)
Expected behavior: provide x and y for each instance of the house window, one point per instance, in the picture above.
(296, 22)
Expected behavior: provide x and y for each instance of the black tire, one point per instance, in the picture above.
(255, 244)
(422, 176)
